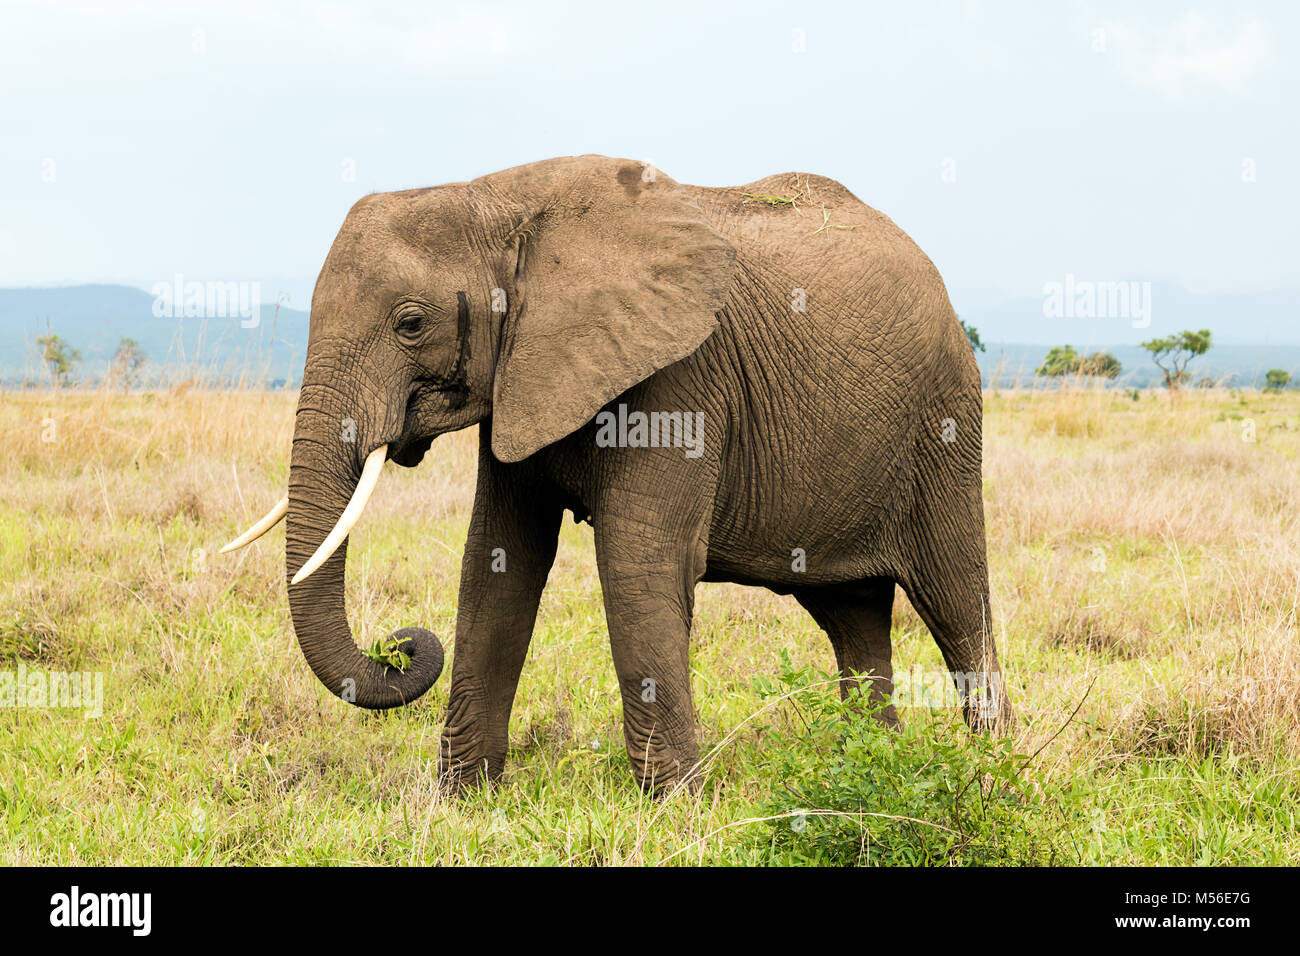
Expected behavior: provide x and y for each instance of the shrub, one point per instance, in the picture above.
(854, 792)
(1064, 360)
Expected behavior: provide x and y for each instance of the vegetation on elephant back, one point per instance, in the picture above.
(1148, 633)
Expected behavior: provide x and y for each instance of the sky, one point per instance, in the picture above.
(1016, 142)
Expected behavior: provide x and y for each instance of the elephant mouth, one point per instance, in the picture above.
(408, 454)
(430, 401)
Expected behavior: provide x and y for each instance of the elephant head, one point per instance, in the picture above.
(524, 300)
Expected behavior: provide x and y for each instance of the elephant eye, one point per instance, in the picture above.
(410, 319)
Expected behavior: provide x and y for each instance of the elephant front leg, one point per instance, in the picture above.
(648, 577)
(508, 555)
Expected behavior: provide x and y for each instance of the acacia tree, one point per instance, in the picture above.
(1177, 350)
(59, 356)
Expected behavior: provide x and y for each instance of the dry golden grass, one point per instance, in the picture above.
(1167, 544)
(1145, 560)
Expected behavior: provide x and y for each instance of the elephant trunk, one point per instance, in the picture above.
(323, 473)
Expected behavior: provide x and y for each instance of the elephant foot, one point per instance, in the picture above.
(994, 716)
(461, 769)
(663, 775)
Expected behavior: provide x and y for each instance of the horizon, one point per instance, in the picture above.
(267, 346)
(1264, 319)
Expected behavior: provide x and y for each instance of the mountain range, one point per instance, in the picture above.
(1267, 317)
(1253, 332)
(95, 318)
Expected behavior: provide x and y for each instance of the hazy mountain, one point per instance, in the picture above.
(95, 318)
(1156, 309)
(1252, 333)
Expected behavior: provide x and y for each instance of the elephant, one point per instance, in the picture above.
(764, 384)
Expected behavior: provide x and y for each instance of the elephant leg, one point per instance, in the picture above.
(857, 618)
(648, 571)
(957, 614)
(511, 545)
(947, 582)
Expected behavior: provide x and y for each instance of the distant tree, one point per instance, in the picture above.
(972, 334)
(1064, 360)
(1101, 364)
(59, 356)
(1061, 360)
(1277, 379)
(127, 362)
(1177, 351)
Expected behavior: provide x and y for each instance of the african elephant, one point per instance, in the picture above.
(765, 385)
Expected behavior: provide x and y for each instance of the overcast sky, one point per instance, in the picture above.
(1016, 142)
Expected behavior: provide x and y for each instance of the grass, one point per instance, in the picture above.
(769, 199)
(1145, 564)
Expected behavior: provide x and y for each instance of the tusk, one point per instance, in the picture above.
(272, 518)
(365, 485)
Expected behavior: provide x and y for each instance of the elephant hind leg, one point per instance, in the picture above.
(958, 618)
(947, 582)
(857, 619)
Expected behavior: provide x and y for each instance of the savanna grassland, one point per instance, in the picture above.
(1145, 562)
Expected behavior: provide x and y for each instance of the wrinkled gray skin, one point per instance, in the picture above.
(848, 428)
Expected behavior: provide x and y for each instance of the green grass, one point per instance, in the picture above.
(1145, 563)
(769, 200)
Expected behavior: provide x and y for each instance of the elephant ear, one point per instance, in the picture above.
(618, 274)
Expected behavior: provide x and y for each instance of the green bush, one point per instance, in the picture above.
(1064, 360)
(853, 792)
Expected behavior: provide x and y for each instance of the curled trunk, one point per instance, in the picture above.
(323, 473)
